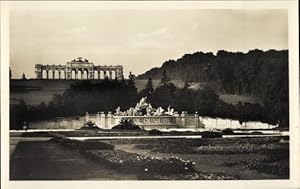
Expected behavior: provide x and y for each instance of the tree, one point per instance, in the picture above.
(148, 90)
(205, 101)
(18, 114)
(131, 79)
(164, 78)
(23, 76)
(164, 95)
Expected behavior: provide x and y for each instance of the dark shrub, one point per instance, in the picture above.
(286, 137)
(36, 134)
(256, 133)
(228, 131)
(126, 124)
(90, 125)
(154, 132)
(209, 134)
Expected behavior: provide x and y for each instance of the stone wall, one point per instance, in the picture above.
(107, 121)
(59, 123)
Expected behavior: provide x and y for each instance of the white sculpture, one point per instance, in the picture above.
(144, 108)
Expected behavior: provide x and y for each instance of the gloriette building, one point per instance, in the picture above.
(78, 68)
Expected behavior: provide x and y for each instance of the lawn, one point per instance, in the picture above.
(190, 159)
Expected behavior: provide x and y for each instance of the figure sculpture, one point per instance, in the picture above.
(142, 108)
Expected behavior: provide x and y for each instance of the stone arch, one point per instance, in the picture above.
(50, 74)
(79, 74)
(44, 74)
(73, 74)
(84, 74)
(96, 74)
(101, 74)
(56, 74)
(62, 74)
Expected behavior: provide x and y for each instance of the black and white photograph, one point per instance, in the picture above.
(148, 93)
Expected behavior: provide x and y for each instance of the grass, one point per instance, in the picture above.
(270, 155)
(146, 167)
(235, 99)
(205, 158)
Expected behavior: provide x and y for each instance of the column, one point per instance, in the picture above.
(90, 74)
(59, 74)
(98, 119)
(109, 120)
(87, 117)
(47, 74)
(38, 72)
(183, 118)
(102, 120)
(196, 119)
(76, 74)
(119, 73)
(53, 74)
(68, 74)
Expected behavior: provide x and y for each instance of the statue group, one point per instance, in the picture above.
(142, 108)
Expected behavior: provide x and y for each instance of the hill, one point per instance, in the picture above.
(228, 72)
(259, 74)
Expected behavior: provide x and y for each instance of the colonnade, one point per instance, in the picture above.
(78, 72)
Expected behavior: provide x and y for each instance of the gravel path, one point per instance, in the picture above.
(44, 160)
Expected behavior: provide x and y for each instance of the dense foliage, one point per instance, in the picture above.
(235, 73)
(256, 73)
(81, 97)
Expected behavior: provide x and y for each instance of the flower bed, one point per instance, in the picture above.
(213, 145)
(129, 162)
(235, 149)
(187, 176)
(280, 168)
(275, 161)
(142, 164)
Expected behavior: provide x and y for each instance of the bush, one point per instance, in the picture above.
(90, 125)
(154, 132)
(36, 134)
(208, 134)
(228, 131)
(126, 124)
(256, 133)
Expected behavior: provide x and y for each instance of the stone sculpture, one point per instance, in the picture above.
(142, 108)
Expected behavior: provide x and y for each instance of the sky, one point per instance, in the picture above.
(137, 39)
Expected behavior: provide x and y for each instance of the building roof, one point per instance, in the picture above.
(80, 59)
